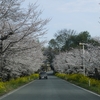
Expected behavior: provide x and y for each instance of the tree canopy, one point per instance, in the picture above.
(69, 39)
(20, 30)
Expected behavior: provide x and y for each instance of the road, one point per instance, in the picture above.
(52, 88)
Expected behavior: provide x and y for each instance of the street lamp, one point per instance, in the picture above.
(83, 55)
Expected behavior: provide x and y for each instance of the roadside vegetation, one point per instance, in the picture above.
(81, 80)
(71, 52)
(22, 53)
(8, 86)
(21, 29)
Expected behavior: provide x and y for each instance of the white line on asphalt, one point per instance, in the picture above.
(15, 90)
(81, 88)
(85, 89)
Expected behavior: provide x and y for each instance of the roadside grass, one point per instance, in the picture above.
(82, 81)
(8, 86)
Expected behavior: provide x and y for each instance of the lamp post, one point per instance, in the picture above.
(83, 56)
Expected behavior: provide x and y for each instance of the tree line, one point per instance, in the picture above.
(69, 39)
(20, 30)
(21, 52)
(65, 53)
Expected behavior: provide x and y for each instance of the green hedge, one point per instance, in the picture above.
(81, 80)
(5, 87)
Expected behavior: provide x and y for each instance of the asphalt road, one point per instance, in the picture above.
(52, 88)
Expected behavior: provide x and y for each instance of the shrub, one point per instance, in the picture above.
(14, 83)
(81, 80)
(2, 87)
(95, 83)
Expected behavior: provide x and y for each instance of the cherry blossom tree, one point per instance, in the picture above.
(74, 61)
(20, 30)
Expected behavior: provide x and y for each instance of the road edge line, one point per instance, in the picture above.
(5, 95)
(84, 89)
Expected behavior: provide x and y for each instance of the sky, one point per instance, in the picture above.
(78, 15)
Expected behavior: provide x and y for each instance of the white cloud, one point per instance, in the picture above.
(80, 15)
(69, 5)
(80, 6)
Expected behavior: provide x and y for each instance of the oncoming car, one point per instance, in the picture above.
(43, 75)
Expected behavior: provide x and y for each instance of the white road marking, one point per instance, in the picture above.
(15, 90)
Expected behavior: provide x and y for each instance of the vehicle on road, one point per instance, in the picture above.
(43, 75)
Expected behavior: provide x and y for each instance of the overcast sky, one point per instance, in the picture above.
(78, 15)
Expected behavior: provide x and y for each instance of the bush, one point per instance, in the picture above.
(61, 75)
(81, 80)
(95, 83)
(2, 87)
(15, 83)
